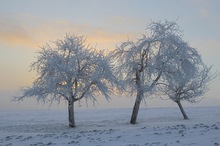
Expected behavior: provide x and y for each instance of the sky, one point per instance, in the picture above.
(26, 25)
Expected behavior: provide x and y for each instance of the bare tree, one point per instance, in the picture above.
(71, 70)
(140, 65)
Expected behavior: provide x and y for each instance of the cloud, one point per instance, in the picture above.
(203, 7)
(31, 32)
(14, 34)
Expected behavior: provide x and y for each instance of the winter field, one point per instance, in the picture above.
(110, 127)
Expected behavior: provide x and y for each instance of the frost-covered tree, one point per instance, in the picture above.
(140, 65)
(188, 80)
(71, 70)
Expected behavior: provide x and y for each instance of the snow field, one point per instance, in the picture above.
(110, 127)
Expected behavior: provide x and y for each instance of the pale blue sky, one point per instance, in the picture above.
(27, 24)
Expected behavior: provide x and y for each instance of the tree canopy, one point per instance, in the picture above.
(70, 70)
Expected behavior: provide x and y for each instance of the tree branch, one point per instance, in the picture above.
(84, 92)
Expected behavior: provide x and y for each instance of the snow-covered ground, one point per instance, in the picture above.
(110, 127)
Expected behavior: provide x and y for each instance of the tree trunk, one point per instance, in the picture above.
(182, 110)
(71, 115)
(138, 98)
(135, 110)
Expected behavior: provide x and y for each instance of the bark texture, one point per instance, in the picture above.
(71, 115)
(138, 99)
(182, 110)
(135, 110)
